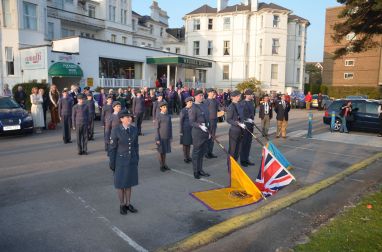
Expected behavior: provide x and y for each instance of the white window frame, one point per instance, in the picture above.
(113, 38)
(274, 71)
(50, 31)
(7, 14)
(276, 21)
(261, 46)
(226, 47)
(9, 60)
(348, 62)
(299, 52)
(124, 39)
(30, 21)
(210, 24)
(227, 23)
(151, 29)
(134, 23)
(112, 10)
(196, 24)
(161, 32)
(177, 50)
(225, 72)
(275, 46)
(123, 16)
(65, 32)
(210, 47)
(92, 11)
(348, 76)
(196, 48)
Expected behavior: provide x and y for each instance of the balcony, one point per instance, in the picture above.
(77, 20)
(122, 83)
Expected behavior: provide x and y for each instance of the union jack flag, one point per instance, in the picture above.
(272, 176)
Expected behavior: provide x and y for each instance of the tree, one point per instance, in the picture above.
(362, 22)
(315, 75)
(251, 83)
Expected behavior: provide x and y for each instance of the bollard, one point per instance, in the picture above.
(310, 125)
(333, 121)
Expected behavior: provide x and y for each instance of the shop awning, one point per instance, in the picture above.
(64, 69)
(179, 60)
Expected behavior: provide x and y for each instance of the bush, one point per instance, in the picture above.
(251, 83)
(27, 87)
(342, 92)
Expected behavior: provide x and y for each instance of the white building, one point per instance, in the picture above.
(248, 40)
(33, 32)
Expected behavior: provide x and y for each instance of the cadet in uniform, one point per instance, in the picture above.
(124, 158)
(199, 120)
(91, 106)
(80, 119)
(185, 130)
(235, 119)
(107, 110)
(113, 121)
(156, 109)
(138, 110)
(213, 108)
(65, 106)
(163, 136)
(249, 116)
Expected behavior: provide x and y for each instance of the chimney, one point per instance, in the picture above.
(254, 5)
(222, 4)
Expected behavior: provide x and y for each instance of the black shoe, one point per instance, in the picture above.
(162, 169)
(131, 208)
(186, 160)
(140, 134)
(250, 163)
(80, 153)
(189, 160)
(69, 141)
(196, 175)
(84, 153)
(245, 164)
(204, 174)
(207, 156)
(213, 155)
(123, 209)
(166, 168)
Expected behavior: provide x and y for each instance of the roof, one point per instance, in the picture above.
(271, 6)
(203, 9)
(294, 17)
(178, 33)
(135, 13)
(236, 7)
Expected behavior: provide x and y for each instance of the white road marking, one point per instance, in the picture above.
(192, 176)
(103, 219)
(356, 180)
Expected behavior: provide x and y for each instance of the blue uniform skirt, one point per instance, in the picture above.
(126, 172)
(164, 146)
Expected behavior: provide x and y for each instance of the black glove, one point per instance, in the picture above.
(112, 167)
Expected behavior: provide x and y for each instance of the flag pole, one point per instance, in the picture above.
(254, 124)
(255, 137)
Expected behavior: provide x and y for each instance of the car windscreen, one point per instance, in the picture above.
(336, 106)
(8, 103)
(315, 96)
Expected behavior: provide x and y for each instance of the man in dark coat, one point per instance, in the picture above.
(213, 108)
(91, 105)
(235, 118)
(249, 117)
(45, 105)
(265, 114)
(105, 117)
(171, 99)
(20, 96)
(80, 119)
(199, 120)
(282, 109)
(65, 106)
(138, 110)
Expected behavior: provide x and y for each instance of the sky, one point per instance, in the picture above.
(314, 11)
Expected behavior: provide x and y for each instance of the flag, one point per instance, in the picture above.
(272, 176)
(241, 192)
(279, 156)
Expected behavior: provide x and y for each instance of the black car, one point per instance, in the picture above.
(13, 118)
(365, 111)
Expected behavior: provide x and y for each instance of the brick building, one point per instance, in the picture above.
(354, 69)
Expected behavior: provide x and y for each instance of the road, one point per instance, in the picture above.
(55, 200)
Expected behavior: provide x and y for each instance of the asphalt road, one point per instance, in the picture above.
(51, 199)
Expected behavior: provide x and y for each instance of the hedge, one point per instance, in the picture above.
(341, 92)
(27, 87)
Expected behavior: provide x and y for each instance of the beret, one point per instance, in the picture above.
(189, 99)
(198, 92)
(210, 90)
(124, 113)
(235, 93)
(162, 103)
(80, 96)
(116, 103)
(248, 92)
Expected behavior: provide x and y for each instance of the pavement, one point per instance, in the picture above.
(51, 199)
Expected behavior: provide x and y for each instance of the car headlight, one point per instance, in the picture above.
(28, 118)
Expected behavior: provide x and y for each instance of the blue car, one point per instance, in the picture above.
(13, 118)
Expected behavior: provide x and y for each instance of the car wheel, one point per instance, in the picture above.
(337, 124)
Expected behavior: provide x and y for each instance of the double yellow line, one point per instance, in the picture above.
(231, 225)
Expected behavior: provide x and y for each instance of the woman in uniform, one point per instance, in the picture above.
(163, 136)
(185, 130)
(124, 158)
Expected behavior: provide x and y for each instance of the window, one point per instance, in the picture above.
(261, 46)
(227, 23)
(372, 108)
(134, 24)
(298, 75)
(113, 38)
(276, 21)
(274, 71)
(260, 71)
(348, 76)
(299, 52)
(262, 22)
(177, 50)
(210, 24)
(50, 31)
(148, 44)
(67, 33)
(143, 43)
(9, 59)
(196, 24)
(196, 47)
(210, 47)
(349, 62)
(30, 16)
(151, 29)
(275, 46)
(227, 48)
(124, 40)
(123, 16)
(226, 72)
(299, 30)
(351, 36)
(91, 11)
(161, 32)
(168, 49)
(112, 12)
(7, 13)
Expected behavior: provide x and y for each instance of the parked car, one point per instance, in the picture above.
(325, 101)
(297, 99)
(356, 97)
(365, 111)
(13, 118)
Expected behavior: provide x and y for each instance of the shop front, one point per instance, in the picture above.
(64, 74)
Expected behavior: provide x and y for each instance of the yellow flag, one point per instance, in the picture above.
(241, 192)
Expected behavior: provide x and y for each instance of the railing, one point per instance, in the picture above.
(192, 84)
(122, 83)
